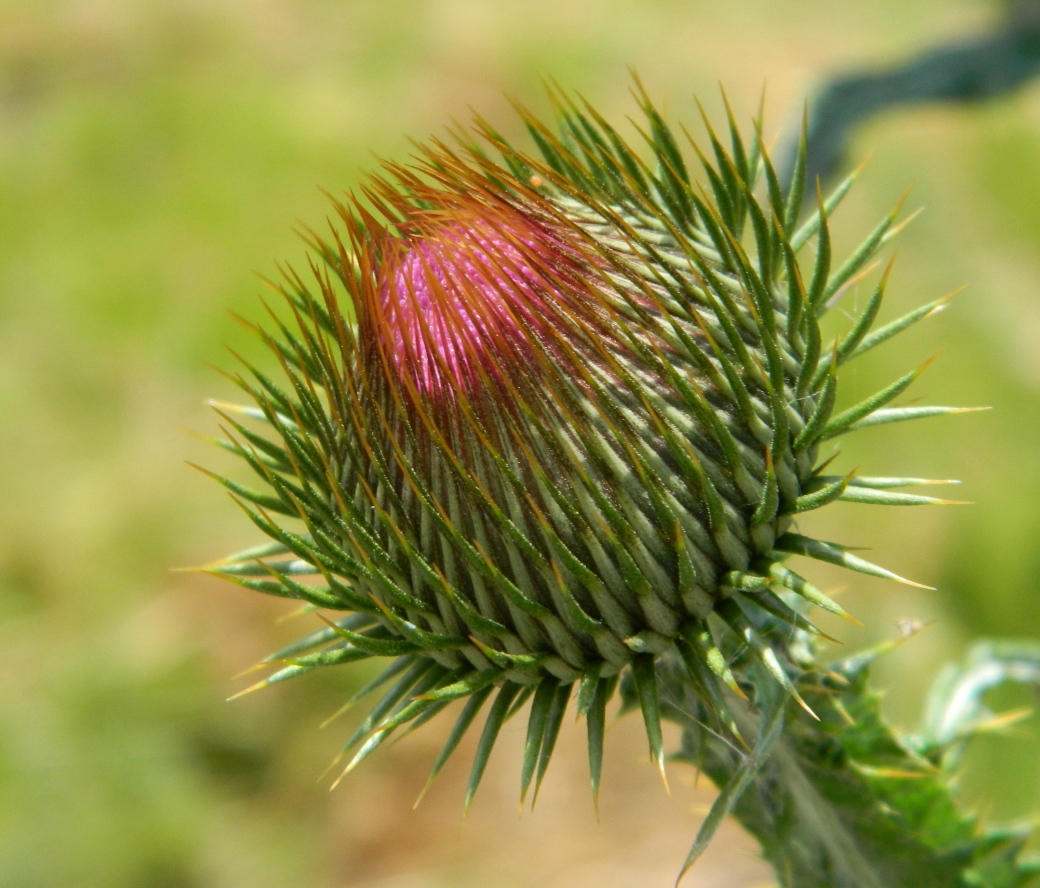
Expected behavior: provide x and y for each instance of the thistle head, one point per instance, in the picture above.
(546, 423)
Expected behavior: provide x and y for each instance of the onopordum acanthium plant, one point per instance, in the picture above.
(542, 432)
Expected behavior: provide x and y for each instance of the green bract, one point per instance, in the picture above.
(545, 424)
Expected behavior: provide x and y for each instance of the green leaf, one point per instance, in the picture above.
(394, 669)
(852, 339)
(881, 483)
(316, 595)
(644, 674)
(587, 688)
(817, 293)
(834, 554)
(705, 681)
(325, 635)
(860, 328)
(767, 506)
(742, 627)
(857, 494)
(472, 683)
(496, 718)
(295, 568)
(812, 225)
(536, 721)
(414, 706)
(790, 580)
(771, 724)
(701, 643)
(822, 495)
(421, 667)
(552, 731)
(889, 330)
(862, 254)
(844, 802)
(596, 725)
(956, 710)
(302, 665)
(258, 498)
(744, 581)
(796, 190)
(905, 414)
(469, 713)
(385, 646)
(818, 421)
(844, 421)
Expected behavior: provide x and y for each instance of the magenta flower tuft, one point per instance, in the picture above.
(465, 294)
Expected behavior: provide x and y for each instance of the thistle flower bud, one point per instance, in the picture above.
(549, 421)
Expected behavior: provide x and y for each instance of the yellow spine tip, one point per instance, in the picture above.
(249, 690)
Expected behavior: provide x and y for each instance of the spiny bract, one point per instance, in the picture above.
(548, 421)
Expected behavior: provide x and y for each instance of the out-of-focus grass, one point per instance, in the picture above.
(153, 155)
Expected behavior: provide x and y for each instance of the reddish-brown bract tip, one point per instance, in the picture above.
(469, 289)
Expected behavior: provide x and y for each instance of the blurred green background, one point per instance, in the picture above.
(154, 155)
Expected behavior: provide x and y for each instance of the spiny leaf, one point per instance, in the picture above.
(743, 628)
(812, 225)
(818, 292)
(644, 673)
(256, 568)
(844, 420)
(325, 635)
(394, 669)
(865, 321)
(796, 190)
(700, 641)
(857, 494)
(706, 680)
(834, 554)
(377, 646)
(904, 414)
(790, 580)
(250, 412)
(818, 421)
(413, 707)
(472, 683)
(821, 496)
(300, 665)
(421, 667)
(414, 710)
(771, 724)
(885, 333)
(881, 483)
(766, 510)
(315, 595)
(552, 731)
(469, 712)
(863, 253)
(846, 348)
(495, 719)
(587, 688)
(259, 498)
(744, 581)
(251, 555)
(596, 724)
(957, 698)
(536, 721)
